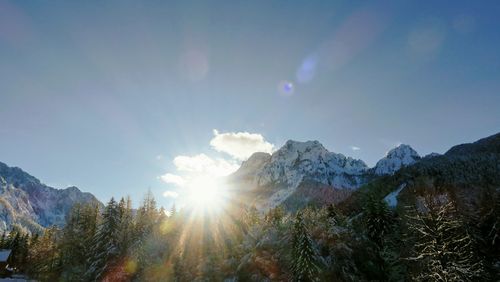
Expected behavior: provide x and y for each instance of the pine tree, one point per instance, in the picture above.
(76, 237)
(44, 257)
(3, 240)
(378, 220)
(444, 249)
(162, 215)
(304, 261)
(146, 221)
(105, 245)
(15, 238)
(22, 253)
(125, 225)
(147, 216)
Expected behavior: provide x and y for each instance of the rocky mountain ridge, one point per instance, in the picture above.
(30, 204)
(310, 165)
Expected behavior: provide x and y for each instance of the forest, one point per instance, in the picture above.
(432, 242)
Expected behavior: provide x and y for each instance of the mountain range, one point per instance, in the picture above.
(27, 203)
(297, 174)
(303, 171)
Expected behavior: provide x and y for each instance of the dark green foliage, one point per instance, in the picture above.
(105, 244)
(44, 257)
(275, 216)
(77, 237)
(318, 244)
(304, 261)
(379, 220)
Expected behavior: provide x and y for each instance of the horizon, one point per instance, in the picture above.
(119, 99)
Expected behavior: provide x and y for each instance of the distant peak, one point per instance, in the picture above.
(432, 155)
(400, 156)
(401, 150)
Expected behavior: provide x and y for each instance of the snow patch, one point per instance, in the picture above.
(391, 198)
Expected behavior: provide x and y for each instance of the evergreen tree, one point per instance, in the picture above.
(43, 257)
(378, 220)
(15, 239)
(146, 221)
(22, 252)
(147, 216)
(125, 225)
(304, 261)
(3, 240)
(105, 245)
(76, 238)
(162, 215)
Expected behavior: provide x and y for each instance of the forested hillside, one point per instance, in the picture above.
(434, 220)
(313, 244)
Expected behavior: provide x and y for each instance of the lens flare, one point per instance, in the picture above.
(307, 69)
(286, 88)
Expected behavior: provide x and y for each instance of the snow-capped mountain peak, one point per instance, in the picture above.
(296, 161)
(309, 165)
(402, 155)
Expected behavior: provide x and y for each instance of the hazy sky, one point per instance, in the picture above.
(105, 95)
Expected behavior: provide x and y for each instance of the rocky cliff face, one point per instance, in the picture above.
(313, 168)
(298, 161)
(30, 204)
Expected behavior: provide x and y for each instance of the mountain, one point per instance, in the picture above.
(303, 172)
(297, 161)
(30, 204)
(468, 173)
(402, 155)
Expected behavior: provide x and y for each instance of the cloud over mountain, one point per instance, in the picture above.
(240, 145)
(202, 163)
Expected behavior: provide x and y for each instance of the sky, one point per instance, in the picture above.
(118, 97)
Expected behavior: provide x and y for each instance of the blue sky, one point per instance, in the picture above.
(105, 95)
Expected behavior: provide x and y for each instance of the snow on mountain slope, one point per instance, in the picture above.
(402, 155)
(27, 202)
(275, 178)
(392, 198)
(297, 161)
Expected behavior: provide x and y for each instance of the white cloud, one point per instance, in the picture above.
(159, 157)
(240, 145)
(201, 171)
(355, 148)
(173, 179)
(170, 194)
(204, 164)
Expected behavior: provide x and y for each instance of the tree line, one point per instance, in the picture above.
(430, 242)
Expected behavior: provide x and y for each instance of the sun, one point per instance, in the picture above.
(206, 193)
